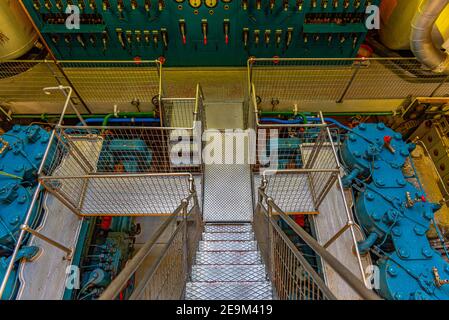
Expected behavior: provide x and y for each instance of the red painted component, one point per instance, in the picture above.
(205, 40)
(184, 40)
(162, 60)
(423, 199)
(106, 223)
(227, 39)
(387, 139)
(137, 60)
(300, 220)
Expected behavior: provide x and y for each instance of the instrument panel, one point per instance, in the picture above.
(202, 32)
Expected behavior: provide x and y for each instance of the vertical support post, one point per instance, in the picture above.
(349, 84)
(185, 206)
(270, 241)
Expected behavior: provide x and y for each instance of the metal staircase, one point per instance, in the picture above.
(228, 266)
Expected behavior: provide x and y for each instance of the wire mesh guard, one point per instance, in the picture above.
(95, 83)
(299, 174)
(121, 170)
(296, 80)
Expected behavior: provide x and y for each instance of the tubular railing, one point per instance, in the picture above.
(166, 276)
(292, 276)
(287, 81)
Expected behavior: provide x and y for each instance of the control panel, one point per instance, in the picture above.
(201, 32)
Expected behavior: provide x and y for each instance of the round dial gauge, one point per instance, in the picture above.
(211, 3)
(227, 1)
(179, 1)
(195, 3)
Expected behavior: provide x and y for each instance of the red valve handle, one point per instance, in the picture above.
(205, 40)
(184, 40)
(226, 39)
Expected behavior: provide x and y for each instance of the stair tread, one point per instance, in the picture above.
(228, 236)
(229, 291)
(211, 228)
(228, 273)
(228, 257)
(244, 245)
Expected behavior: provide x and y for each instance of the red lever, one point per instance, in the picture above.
(423, 199)
(184, 41)
(227, 39)
(387, 139)
(205, 40)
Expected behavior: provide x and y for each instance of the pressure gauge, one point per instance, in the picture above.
(211, 3)
(179, 1)
(227, 1)
(195, 3)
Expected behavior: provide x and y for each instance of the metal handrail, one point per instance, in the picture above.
(119, 283)
(336, 265)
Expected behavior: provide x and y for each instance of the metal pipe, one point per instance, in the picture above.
(421, 42)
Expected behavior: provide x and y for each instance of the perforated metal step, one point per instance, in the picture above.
(228, 257)
(227, 236)
(210, 228)
(228, 291)
(227, 246)
(226, 273)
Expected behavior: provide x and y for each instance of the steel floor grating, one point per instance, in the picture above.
(234, 228)
(227, 245)
(229, 291)
(229, 257)
(226, 236)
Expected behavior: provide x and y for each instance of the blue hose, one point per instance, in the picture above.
(298, 120)
(122, 120)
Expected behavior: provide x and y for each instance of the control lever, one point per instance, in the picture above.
(289, 37)
(182, 30)
(164, 34)
(80, 39)
(346, 4)
(278, 38)
(147, 5)
(93, 40)
(357, 4)
(68, 40)
(134, 4)
(106, 5)
(314, 3)
(368, 3)
(245, 4)
(256, 37)
(204, 30)
(104, 39)
(138, 36)
(120, 8)
(129, 36)
(272, 4)
(92, 5)
(324, 3)
(36, 5)
(48, 5)
(161, 5)
(59, 5)
(55, 39)
(267, 37)
(156, 38)
(81, 5)
(226, 28)
(245, 37)
(335, 3)
(146, 36)
(258, 4)
(354, 41)
(120, 37)
(285, 5)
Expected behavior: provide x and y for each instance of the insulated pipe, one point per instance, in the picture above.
(421, 42)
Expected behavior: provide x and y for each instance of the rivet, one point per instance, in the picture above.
(381, 126)
(419, 231)
(403, 252)
(401, 181)
(392, 271)
(352, 137)
(399, 296)
(380, 182)
(370, 196)
(398, 136)
(426, 253)
(362, 126)
(396, 231)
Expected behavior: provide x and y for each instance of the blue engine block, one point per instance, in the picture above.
(21, 152)
(395, 215)
(134, 155)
